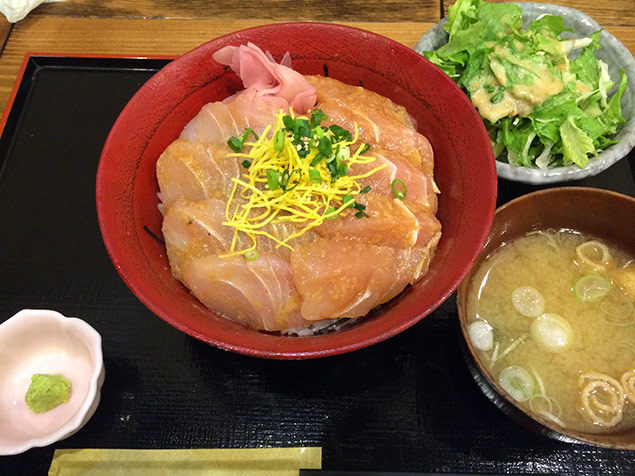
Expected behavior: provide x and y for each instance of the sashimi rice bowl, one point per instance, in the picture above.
(276, 193)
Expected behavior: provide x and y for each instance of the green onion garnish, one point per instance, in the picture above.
(340, 133)
(278, 140)
(273, 179)
(364, 149)
(366, 189)
(348, 198)
(251, 255)
(314, 176)
(246, 164)
(328, 211)
(325, 147)
(399, 189)
(286, 178)
(237, 143)
(317, 116)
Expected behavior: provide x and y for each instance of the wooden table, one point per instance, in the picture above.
(153, 27)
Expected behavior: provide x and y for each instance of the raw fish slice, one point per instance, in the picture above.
(420, 188)
(194, 229)
(380, 121)
(195, 172)
(216, 122)
(259, 73)
(429, 225)
(356, 277)
(256, 293)
(389, 223)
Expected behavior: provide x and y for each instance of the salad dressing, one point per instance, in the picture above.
(541, 108)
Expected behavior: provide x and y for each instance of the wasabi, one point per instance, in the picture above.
(47, 391)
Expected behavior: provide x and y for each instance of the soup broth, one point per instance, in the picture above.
(551, 316)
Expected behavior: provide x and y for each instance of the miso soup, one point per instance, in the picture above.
(552, 317)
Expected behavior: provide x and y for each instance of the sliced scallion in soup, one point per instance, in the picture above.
(552, 319)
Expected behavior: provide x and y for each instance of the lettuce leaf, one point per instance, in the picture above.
(490, 56)
(575, 144)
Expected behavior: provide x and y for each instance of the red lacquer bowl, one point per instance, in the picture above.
(127, 187)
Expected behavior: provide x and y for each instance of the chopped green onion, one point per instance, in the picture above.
(314, 176)
(366, 189)
(528, 301)
(286, 178)
(399, 189)
(481, 335)
(343, 153)
(517, 382)
(251, 255)
(278, 140)
(340, 133)
(364, 149)
(316, 159)
(317, 116)
(246, 164)
(235, 144)
(361, 215)
(552, 331)
(591, 287)
(289, 123)
(303, 149)
(325, 147)
(348, 198)
(329, 211)
(273, 179)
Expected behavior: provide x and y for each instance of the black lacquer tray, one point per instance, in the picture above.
(408, 404)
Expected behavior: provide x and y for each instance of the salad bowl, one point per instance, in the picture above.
(612, 52)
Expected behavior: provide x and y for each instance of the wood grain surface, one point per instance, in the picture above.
(276, 10)
(59, 34)
(164, 27)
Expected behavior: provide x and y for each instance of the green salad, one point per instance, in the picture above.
(540, 107)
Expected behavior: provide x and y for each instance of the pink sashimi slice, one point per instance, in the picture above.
(266, 77)
(389, 223)
(194, 229)
(380, 121)
(195, 172)
(419, 186)
(259, 293)
(355, 277)
(216, 122)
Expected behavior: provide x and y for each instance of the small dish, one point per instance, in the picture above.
(43, 341)
(613, 53)
(556, 208)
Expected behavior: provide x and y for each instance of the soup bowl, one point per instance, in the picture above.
(607, 215)
(126, 192)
